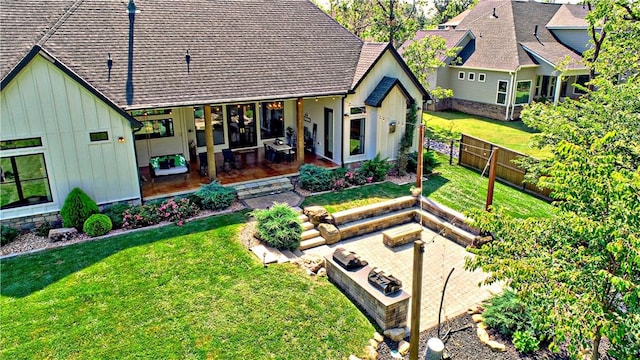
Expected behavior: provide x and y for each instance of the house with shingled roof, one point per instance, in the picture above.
(511, 53)
(93, 92)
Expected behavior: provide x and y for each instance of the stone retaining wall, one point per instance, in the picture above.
(387, 311)
(492, 111)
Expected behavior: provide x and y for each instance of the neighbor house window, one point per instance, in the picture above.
(216, 122)
(471, 76)
(582, 80)
(153, 129)
(23, 181)
(523, 91)
(482, 77)
(460, 75)
(272, 119)
(502, 91)
(98, 136)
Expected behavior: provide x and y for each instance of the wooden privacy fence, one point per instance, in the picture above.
(474, 153)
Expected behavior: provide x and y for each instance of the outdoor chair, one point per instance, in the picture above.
(229, 160)
(204, 164)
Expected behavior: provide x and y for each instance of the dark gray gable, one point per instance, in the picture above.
(383, 88)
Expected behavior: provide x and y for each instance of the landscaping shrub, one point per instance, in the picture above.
(525, 341)
(214, 196)
(97, 225)
(43, 229)
(115, 212)
(376, 168)
(315, 178)
(77, 208)
(429, 162)
(177, 210)
(357, 178)
(141, 216)
(8, 234)
(278, 226)
(507, 314)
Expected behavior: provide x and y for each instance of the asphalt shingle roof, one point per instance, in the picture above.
(240, 49)
(570, 16)
(371, 51)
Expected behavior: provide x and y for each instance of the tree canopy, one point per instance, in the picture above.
(425, 56)
(579, 271)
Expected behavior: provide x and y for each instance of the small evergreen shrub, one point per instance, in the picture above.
(315, 178)
(429, 162)
(525, 341)
(77, 208)
(278, 226)
(507, 314)
(177, 210)
(214, 196)
(376, 168)
(43, 229)
(141, 216)
(97, 225)
(9, 234)
(115, 212)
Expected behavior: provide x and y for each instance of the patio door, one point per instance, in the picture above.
(328, 133)
(241, 121)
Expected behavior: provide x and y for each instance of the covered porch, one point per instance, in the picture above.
(249, 166)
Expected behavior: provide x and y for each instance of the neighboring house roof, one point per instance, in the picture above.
(452, 37)
(569, 17)
(383, 89)
(501, 27)
(456, 20)
(239, 49)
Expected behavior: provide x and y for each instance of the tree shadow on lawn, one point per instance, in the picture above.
(433, 183)
(25, 274)
(456, 115)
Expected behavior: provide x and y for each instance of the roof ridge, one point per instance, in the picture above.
(480, 17)
(59, 22)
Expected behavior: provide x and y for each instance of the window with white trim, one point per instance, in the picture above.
(357, 121)
(24, 180)
(460, 75)
(471, 76)
(503, 85)
(523, 91)
(482, 77)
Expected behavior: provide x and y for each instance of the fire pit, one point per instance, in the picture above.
(388, 284)
(348, 259)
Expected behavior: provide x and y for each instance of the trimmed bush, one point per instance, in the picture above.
(141, 216)
(315, 178)
(214, 196)
(115, 212)
(525, 341)
(357, 178)
(97, 225)
(278, 226)
(507, 314)
(8, 234)
(429, 162)
(376, 168)
(77, 208)
(177, 210)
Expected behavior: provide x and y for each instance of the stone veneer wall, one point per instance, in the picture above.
(387, 311)
(492, 111)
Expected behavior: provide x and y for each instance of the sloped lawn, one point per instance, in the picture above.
(173, 292)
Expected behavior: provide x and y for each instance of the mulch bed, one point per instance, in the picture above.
(463, 343)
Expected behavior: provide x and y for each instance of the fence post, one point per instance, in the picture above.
(451, 152)
(460, 149)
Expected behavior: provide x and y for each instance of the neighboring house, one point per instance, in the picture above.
(91, 90)
(511, 53)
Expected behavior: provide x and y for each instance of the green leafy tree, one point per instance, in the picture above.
(579, 271)
(448, 9)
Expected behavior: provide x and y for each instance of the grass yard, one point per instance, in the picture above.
(514, 135)
(174, 292)
(456, 187)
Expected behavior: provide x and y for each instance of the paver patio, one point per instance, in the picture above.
(440, 255)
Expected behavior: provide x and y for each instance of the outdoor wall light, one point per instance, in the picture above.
(121, 139)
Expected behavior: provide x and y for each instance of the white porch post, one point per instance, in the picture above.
(556, 95)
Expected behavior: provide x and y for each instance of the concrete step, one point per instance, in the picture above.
(307, 226)
(303, 218)
(376, 223)
(312, 242)
(446, 229)
(287, 256)
(263, 187)
(308, 234)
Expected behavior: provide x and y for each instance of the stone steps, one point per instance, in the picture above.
(263, 188)
(307, 226)
(376, 223)
(312, 242)
(308, 234)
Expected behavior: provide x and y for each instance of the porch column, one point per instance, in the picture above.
(556, 95)
(208, 135)
(300, 131)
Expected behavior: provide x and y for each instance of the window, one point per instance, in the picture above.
(362, 110)
(272, 120)
(151, 112)
(502, 91)
(216, 121)
(460, 75)
(98, 136)
(153, 129)
(471, 76)
(20, 143)
(538, 83)
(523, 91)
(482, 77)
(356, 137)
(23, 181)
(581, 80)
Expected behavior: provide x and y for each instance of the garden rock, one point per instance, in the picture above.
(373, 343)
(496, 346)
(370, 353)
(395, 334)
(312, 263)
(329, 232)
(353, 357)
(379, 338)
(403, 347)
(322, 272)
(483, 336)
(317, 215)
(62, 234)
(477, 318)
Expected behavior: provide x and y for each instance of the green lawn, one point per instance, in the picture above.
(514, 135)
(175, 292)
(456, 187)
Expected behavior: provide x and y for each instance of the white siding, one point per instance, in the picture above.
(389, 143)
(42, 101)
(315, 111)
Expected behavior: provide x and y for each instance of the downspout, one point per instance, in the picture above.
(506, 108)
(513, 92)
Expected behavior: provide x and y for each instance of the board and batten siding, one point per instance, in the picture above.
(389, 143)
(387, 65)
(42, 101)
